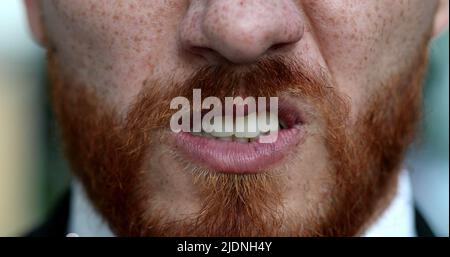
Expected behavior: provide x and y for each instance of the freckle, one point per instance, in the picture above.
(137, 39)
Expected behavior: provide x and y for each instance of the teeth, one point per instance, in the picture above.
(219, 129)
(227, 139)
(204, 134)
(196, 133)
(221, 134)
(244, 129)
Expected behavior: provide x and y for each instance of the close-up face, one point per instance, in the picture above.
(347, 75)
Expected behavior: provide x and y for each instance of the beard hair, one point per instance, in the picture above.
(107, 153)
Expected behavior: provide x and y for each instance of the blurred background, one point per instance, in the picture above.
(33, 174)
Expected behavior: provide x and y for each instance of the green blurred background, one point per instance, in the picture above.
(33, 174)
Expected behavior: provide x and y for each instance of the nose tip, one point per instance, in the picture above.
(240, 31)
(246, 40)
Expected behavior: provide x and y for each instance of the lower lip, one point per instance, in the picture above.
(237, 157)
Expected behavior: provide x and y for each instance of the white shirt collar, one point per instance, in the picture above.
(396, 220)
(83, 218)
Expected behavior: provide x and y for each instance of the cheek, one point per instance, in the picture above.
(365, 42)
(115, 47)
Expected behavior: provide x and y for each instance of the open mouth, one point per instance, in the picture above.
(243, 150)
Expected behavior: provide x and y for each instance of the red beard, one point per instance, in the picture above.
(107, 153)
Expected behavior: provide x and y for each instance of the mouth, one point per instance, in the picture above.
(245, 151)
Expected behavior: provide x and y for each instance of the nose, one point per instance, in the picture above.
(239, 31)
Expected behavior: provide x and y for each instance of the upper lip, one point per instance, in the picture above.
(237, 157)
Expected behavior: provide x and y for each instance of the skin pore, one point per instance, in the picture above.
(115, 64)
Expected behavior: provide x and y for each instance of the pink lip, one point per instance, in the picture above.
(239, 157)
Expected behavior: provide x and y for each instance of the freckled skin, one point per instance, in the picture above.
(118, 44)
(241, 31)
(115, 45)
(363, 42)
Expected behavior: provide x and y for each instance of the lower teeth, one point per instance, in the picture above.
(230, 138)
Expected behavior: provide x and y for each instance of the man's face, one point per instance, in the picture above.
(347, 74)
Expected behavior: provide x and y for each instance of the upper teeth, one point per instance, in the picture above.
(243, 129)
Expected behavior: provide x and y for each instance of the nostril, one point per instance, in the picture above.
(198, 50)
(278, 46)
(207, 53)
